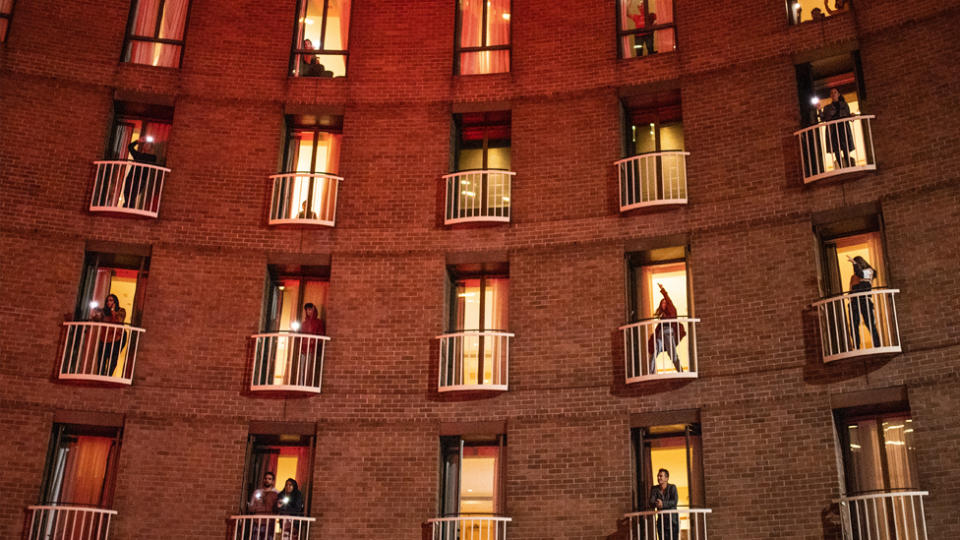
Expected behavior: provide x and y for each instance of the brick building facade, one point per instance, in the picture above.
(768, 412)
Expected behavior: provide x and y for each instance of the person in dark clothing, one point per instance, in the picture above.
(310, 65)
(139, 177)
(860, 281)
(665, 335)
(664, 496)
(839, 134)
(290, 503)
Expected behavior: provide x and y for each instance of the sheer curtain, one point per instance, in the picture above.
(86, 470)
(664, 40)
(172, 23)
(495, 308)
(471, 35)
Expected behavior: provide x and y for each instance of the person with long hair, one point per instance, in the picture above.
(112, 339)
(839, 135)
(861, 281)
(290, 503)
(665, 335)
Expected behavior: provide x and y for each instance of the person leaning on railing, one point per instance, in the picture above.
(138, 176)
(839, 135)
(664, 496)
(112, 339)
(861, 281)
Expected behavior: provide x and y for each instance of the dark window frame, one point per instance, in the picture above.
(147, 117)
(642, 483)
(59, 432)
(296, 52)
(456, 443)
(634, 262)
(458, 50)
(293, 127)
(155, 38)
(489, 123)
(92, 262)
(842, 418)
(649, 30)
(827, 233)
(250, 483)
(271, 309)
(9, 17)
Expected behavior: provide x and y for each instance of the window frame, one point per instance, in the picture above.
(8, 16)
(129, 37)
(635, 261)
(148, 116)
(843, 417)
(640, 456)
(249, 484)
(292, 127)
(275, 274)
(458, 50)
(487, 124)
(621, 33)
(58, 433)
(792, 20)
(828, 232)
(295, 52)
(88, 275)
(446, 447)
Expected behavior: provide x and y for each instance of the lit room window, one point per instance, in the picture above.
(320, 41)
(272, 461)
(123, 275)
(801, 11)
(817, 78)
(677, 450)
(140, 133)
(482, 153)
(646, 27)
(842, 242)
(6, 11)
(654, 138)
(81, 466)
(155, 32)
(471, 482)
(307, 188)
(292, 287)
(483, 37)
(478, 301)
(659, 295)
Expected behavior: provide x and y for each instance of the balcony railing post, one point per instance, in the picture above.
(840, 320)
(836, 147)
(655, 178)
(296, 360)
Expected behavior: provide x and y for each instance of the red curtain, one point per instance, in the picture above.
(471, 35)
(85, 471)
(172, 23)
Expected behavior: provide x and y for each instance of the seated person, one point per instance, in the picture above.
(310, 65)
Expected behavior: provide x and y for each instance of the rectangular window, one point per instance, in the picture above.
(280, 458)
(653, 136)
(305, 191)
(483, 37)
(6, 12)
(471, 482)
(645, 27)
(478, 308)
(81, 465)
(155, 32)
(481, 151)
(801, 11)
(140, 133)
(290, 289)
(816, 80)
(320, 38)
(119, 274)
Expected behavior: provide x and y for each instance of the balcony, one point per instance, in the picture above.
(271, 527)
(685, 523)
(894, 515)
(469, 528)
(464, 356)
(478, 196)
(654, 179)
(53, 522)
(837, 147)
(301, 198)
(660, 349)
(127, 187)
(288, 362)
(98, 351)
(843, 336)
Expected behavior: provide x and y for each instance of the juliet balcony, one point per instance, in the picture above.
(838, 147)
(56, 522)
(882, 516)
(685, 523)
(98, 351)
(660, 349)
(474, 360)
(469, 528)
(858, 324)
(654, 179)
(127, 187)
(288, 362)
(478, 196)
(271, 527)
(302, 198)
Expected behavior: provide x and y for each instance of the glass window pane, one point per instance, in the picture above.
(866, 469)
(671, 136)
(644, 137)
(498, 22)
(470, 159)
(338, 26)
(471, 23)
(476, 63)
(660, 12)
(632, 14)
(145, 18)
(287, 308)
(900, 453)
(495, 304)
(174, 19)
(468, 304)
(498, 157)
(478, 480)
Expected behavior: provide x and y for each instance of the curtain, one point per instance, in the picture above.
(899, 447)
(172, 23)
(343, 11)
(160, 132)
(85, 470)
(495, 310)
(866, 472)
(315, 292)
(664, 40)
(471, 35)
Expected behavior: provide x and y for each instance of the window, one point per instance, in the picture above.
(81, 465)
(471, 482)
(654, 133)
(121, 274)
(290, 288)
(817, 78)
(320, 38)
(146, 125)
(659, 299)
(6, 11)
(801, 11)
(478, 300)
(481, 190)
(645, 27)
(307, 189)
(155, 32)
(483, 37)
(841, 242)
(285, 457)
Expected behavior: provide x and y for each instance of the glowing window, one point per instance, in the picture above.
(321, 38)
(483, 37)
(471, 483)
(645, 27)
(155, 32)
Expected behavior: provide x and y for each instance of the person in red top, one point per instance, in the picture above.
(312, 324)
(666, 335)
(112, 338)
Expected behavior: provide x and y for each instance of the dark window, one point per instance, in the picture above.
(483, 37)
(815, 80)
(471, 476)
(120, 274)
(645, 27)
(81, 465)
(483, 141)
(287, 457)
(800, 11)
(320, 38)
(289, 289)
(655, 124)
(6, 12)
(155, 32)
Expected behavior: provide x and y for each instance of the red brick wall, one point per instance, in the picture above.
(763, 391)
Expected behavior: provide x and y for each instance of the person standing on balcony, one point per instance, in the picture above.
(664, 496)
(307, 362)
(665, 335)
(112, 339)
(839, 134)
(290, 503)
(138, 176)
(861, 281)
(263, 501)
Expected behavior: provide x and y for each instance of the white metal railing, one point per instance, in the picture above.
(271, 527)
(653, 179)
(100, 351)
(288, 361)
(478, 195)
(894, 515)
(660, 349)
(474, 360)
(836, 147)
(305, 198)
(858, 323)
(56, 522)
(469, 528)
(686, 523)
(127, 187)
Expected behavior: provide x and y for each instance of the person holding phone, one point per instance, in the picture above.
(112, 338)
